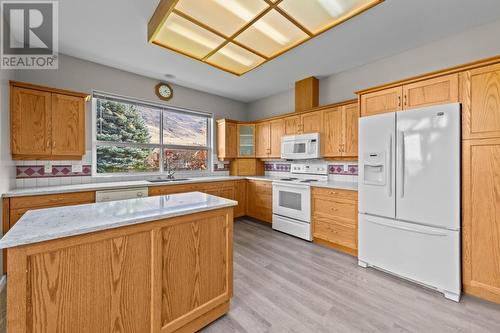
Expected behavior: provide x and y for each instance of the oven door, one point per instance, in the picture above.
(292, 200)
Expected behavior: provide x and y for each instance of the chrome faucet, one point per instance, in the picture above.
(169, 169)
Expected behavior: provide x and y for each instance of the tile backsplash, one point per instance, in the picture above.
(338, 171)
(32, 173)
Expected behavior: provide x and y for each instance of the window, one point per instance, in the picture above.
(138, 137)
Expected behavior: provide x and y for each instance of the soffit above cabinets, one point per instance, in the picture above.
(239, 35)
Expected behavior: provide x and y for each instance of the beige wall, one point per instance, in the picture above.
(81, 75)
(471, 45)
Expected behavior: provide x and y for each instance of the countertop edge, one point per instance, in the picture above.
(133, 221)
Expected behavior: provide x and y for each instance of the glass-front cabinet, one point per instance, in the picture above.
(246, 140)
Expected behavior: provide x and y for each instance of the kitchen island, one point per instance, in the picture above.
(156, 264)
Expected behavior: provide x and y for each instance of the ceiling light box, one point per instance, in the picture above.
(239, 35)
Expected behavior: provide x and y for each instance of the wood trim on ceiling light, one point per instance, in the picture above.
(166, 7)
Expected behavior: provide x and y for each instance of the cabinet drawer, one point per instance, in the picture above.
(326, 207)
(52, 200)
(336, 231)
(171, 189)
(335, 194)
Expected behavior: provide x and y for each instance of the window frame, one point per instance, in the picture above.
(161, 146)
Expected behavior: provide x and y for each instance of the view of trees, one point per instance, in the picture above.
(128, 123)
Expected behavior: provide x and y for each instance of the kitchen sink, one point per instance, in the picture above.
(167, 180)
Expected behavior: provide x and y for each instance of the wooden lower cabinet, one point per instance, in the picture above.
(335, 219)
(481, 218)
(260, 200)
(240, 195)
(170, 275)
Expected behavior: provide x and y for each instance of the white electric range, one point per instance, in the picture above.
(292, 199)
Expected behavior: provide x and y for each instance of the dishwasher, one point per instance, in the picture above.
(123, 194)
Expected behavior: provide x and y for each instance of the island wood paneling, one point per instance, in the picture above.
(171, 275)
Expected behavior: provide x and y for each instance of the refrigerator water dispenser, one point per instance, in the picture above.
(374, 169)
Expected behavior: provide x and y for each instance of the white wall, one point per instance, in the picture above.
(7, 173)
(478, 43)
(81, 75)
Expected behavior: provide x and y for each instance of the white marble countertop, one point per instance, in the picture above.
(144, 183)
(53, 223)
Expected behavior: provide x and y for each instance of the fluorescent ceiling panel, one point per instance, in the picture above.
(239, 35)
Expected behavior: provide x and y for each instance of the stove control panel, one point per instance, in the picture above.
(312, 169)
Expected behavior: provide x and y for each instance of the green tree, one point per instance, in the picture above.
(120, 122)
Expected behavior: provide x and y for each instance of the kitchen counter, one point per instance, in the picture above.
(143, 183)
(133, 265)
(54, 223)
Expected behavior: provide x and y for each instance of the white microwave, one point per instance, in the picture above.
(300, 147)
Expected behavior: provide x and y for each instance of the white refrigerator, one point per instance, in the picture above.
(409, 196)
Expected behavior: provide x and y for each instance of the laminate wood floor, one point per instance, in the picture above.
(283, 284)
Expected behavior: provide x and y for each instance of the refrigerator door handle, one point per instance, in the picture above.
(389, 167)
(402, 164)
(395, 226)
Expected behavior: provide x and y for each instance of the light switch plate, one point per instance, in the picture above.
(47, 168)
(76, 168)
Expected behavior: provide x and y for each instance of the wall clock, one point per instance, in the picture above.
(164, 91)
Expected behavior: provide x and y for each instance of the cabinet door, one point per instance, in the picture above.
(262, 140)
(30, 123)
(350, 130)
(311, 122)
(246, 140)
(481, 218)
(440, 90)
(260, 200)
(331, 139)
(292, 125)
(481, 102)
(240, 196)
(68, 125)
(276, 134)
(388, 100)
(226, 140)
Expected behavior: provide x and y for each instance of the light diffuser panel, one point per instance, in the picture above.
(322, 14)
(239, 35)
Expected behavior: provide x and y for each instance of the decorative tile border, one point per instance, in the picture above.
(333, 169)
(280, 167)
(37, 171)
(218, 169)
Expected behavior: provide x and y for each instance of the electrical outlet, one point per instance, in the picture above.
(47, 168)
(76, 168)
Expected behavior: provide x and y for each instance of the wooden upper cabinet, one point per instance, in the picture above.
(350, 117)
(291, 125)
(388, 100)
(226, 139)
(306, 94)
(262, 140)
(440, 90)
(31, 122)
(68, 125)
(46, 123)
(331, 138)
(276, 128)
(310, 122)
(340, 131)
(246, 140)
(481, 102)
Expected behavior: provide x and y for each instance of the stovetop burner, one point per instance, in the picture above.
(308, 180)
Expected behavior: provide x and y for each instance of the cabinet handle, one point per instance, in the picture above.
(54, 144)
(406, 100)
(399, 100)
(48, 143)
